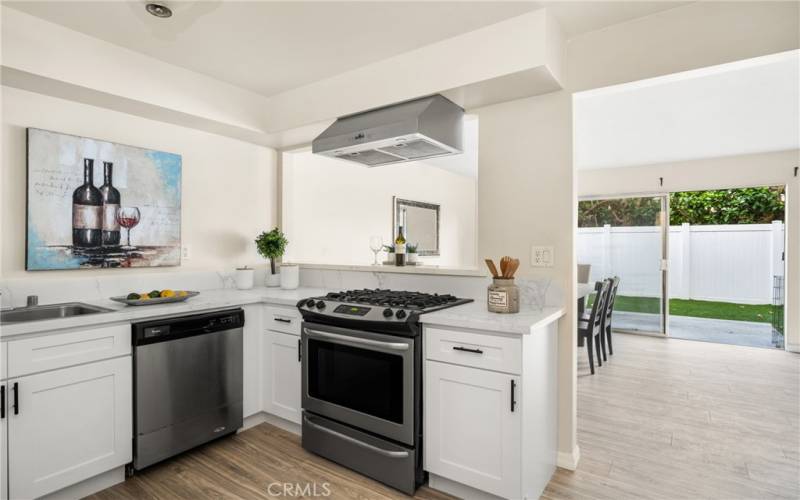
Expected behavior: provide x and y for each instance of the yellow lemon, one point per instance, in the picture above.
(183, 293)
(167, 293)
(144, 297)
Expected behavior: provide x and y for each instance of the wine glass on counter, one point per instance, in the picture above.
(375, 244)
(128, 217)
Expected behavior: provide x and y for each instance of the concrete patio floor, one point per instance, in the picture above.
(721, 331)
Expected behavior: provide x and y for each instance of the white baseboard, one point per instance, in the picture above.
(457, 489)
(261, 417)
(89, 486)
(569, 461)
(792, 347)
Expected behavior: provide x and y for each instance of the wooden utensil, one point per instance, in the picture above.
(513, 267)
(492, 268)
(504, 262)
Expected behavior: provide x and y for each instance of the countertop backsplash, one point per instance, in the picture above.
(534, 292)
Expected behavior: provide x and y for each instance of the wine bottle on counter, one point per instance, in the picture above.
(87, 210)
(400, 248)
(111, 202)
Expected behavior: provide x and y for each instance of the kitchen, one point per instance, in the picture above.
(235, 150)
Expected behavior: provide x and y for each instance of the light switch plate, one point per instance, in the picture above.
(541, 256)
(186, 254)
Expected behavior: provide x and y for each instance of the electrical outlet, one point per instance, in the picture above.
(186, 254)
(541, 256)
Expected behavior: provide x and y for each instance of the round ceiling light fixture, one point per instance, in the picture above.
(159, 10)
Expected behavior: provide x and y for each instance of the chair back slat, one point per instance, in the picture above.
(599, 305)
(612, 297)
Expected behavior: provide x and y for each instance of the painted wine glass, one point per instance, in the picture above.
(128, 217)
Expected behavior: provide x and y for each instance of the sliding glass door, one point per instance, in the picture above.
(627, 237)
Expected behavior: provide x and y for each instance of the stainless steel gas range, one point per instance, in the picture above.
(362, 381)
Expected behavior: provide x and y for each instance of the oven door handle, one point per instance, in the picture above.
(394, 346)
(367, 446)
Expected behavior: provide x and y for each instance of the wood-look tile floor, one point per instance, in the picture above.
(663, 419)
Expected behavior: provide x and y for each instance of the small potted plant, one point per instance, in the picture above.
(390, 253)
(271, 245)
(411, 253)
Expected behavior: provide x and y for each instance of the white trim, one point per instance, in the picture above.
(90, 486)
(457, 489)
(569, 461)
(792, 347)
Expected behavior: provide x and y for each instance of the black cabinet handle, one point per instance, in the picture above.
(299, 350)
(16, 398)
(467, 349)
(2, 401)
(513, 401)
(283, 320)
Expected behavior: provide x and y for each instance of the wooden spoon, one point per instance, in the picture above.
(504, 262)
(513, 267)
(492, 268)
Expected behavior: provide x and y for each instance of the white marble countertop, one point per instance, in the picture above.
(207, 300)
(475, 315)
(409, 269)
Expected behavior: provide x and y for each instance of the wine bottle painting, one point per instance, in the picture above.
(98, 204)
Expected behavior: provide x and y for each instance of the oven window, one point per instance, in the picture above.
(367, 381)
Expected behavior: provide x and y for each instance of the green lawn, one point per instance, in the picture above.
(761, 313)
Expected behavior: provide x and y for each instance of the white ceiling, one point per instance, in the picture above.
(270, 47)
(749, 106)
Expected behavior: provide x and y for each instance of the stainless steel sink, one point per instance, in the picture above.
(52, 311)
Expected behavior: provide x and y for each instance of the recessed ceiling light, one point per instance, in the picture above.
(159, 10)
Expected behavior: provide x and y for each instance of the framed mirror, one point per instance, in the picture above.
(420, 221)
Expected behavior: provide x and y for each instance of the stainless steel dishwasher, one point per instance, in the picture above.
(187, 383)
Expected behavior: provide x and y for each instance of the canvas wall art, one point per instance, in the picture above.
(97, 204)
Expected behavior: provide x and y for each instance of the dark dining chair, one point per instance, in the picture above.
(590, 330)
(606, 332)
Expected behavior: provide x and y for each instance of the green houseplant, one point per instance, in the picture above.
(271, 245)
(411, 250)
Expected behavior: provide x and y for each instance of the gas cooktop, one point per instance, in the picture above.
(376, 306)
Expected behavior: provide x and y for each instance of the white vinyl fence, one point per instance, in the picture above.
(728, 263)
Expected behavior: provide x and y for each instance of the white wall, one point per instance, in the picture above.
(228, 187)
(727, 263)
(332, 207)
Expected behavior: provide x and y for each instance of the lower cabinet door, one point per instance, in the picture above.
(472, 434)
(70, 425)
(4, 442)
(282, 375)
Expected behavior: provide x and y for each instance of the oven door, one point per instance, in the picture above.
(360, 378)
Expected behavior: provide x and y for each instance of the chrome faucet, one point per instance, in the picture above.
(33, 300)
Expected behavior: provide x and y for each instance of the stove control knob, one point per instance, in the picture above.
(388, 313)
(320, 304)
(401, 314)
(310, 303)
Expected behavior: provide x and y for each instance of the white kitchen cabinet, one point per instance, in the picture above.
(474, 443)
(4, 443)
(71, 424)
(281, 365)
(251, 361)
(473, 435)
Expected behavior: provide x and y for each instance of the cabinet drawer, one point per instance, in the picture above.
(283, 319)
(59, 350)
(490, 352)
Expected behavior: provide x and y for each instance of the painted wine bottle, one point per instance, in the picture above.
(111, 202)
(87, 210)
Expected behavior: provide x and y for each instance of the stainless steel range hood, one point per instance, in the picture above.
(414, 130)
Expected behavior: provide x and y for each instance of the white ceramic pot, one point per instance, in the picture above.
(390, 258)
(411, 258)
(244, 278)
(273, 279)
(290, 276)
